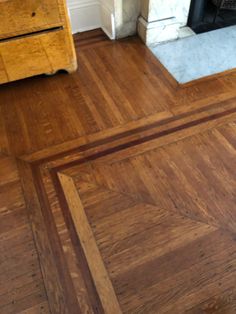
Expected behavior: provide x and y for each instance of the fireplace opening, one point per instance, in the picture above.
(208, 15)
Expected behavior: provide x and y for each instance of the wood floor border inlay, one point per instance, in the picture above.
(203, 115)
(151, 171)
(98, 285)
(58, 283)
(141, 139)
(93, 256)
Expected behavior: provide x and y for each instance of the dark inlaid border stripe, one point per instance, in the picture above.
(70, 297)
(66, 279)
(88, 280)
(144, 139)
(144, 128)
(88, 242)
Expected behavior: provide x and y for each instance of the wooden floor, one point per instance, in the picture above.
(22, 287)
(118, 188)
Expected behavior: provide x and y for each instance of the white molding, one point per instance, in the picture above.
(82, 3)
(91, 14)
(108, 20)
(153, 33)
(84, 15)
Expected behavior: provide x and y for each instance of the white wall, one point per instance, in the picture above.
(118, 18)
(86, 15)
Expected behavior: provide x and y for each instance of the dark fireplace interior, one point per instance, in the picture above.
(208, 15)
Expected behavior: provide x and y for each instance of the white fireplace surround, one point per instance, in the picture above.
(162, 20)
(158, 20)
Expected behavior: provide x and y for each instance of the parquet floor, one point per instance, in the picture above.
(21, 283)
(124, 195)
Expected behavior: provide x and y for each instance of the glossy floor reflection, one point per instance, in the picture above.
(199, 56)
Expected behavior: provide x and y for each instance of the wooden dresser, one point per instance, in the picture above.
(35, 38)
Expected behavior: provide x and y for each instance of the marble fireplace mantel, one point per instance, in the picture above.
(161, 20)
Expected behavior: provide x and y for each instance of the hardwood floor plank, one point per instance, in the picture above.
(21, 282)
(115, 84)
(55, 273)
(142, 219)
(102, 281)
(41, 308)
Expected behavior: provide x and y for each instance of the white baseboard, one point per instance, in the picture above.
(107, 20)
(84, 15)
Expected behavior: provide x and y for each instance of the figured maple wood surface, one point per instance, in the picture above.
(17, 17)
(35, 38)
(129, 181)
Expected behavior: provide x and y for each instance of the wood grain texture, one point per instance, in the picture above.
(169, 215)
(153, 214)
(22, 18)
(59, 287)
(35, 40)
(21, 283)
(145, 204)
(94, 259)
(118, 86)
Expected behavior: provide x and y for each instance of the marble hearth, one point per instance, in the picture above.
(163, 27)
(163, 20)
(199, 56)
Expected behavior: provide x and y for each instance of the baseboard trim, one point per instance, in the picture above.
(92, 14)
(84, 15)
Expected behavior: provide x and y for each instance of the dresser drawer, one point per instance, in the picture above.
(33, 55)
(19, 17)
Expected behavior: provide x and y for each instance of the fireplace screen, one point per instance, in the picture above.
(225, 4)
(208, 15)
